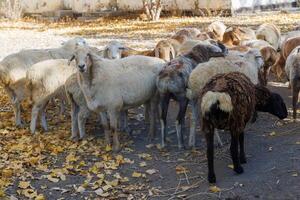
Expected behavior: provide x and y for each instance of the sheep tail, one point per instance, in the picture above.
(221, 99)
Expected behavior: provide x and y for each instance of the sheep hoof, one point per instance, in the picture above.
(20, 125)
(239, 170)
(212, 178)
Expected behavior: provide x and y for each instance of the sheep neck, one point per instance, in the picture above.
(196, 59)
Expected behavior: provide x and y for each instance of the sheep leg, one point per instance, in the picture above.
(218, 138)
(147, 112)
(180, 121)
(105, 125)
(295, 99)
(124, 122)
(234, 153)
(195, 117)
(82, 116)
(164, 104)
(114, 118)
(34, 115)
(16, 107)
(43, 117)
(74, 117)
(242, 149)
(209, 136)
(153, 110)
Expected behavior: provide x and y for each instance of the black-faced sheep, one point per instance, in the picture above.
(172, 82)
(292, 69)
(228, 102)
(249, 63)
(13, 70)
(114, 86)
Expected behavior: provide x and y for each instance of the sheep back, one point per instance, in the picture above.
(204, 71)
(47, 77)
(292, 66)
(269, 33)
(233, 95)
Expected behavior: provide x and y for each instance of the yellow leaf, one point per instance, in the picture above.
(136, 174)
(214, 189)
(108, 148)
(106, 187)
(230, 166)
(298, 142)
(40, 197)
(2, 193)
(54, 180)
(30, 193)
(295, 174)
(143, 164)
(24, 184)
(7, 173)
(80, 189)
(273, 133)
(145, 156)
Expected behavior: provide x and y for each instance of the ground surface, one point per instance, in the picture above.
(50, 166)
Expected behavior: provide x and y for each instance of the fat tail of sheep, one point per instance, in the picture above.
(221, 100)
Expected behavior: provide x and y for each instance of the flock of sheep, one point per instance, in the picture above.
(220, 71)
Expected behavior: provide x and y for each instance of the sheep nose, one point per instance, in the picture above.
(81, 66)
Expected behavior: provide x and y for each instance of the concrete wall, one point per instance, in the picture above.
(39, 6)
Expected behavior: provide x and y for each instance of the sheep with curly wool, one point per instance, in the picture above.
(172, 83)
(114, 86)
(249, 63)
(13, 70)
(45, 80)
(228, 102)
(292, 69)
(270, 33)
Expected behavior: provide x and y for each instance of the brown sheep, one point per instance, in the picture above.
(287, 47)
(234, 35)
(228, 101)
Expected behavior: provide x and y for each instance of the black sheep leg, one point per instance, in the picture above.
(234, 153)
(164, 104)
(295, 91)
(183, 102)
(210, 155)
(242, 149)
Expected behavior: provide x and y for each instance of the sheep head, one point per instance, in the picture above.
(82, 56)
(203, 52)
(270, 102)
(73, 43)
(164, 50)
(114, 50)
(270, 56)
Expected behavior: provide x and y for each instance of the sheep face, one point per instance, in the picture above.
(165, 51)
(276, 106)
(114, 50)
(83, 60)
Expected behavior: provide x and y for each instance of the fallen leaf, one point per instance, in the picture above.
(295, 174)
(151, 171)
(143, 164)
(99, 191)
(272, 134)
(230, 166)
(214, 189)
(298, 142)
(136, 174)
(181, 170)
(24, 184)
(54, 180)
(80, 189)
(108, 148)
(7, 173)
(40, 197)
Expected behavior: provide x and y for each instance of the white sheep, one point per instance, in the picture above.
(218, 29)
(13, 69)
(258, 44)
(113, 86)
(292, 69)
(45, 80)
(270, 33)
(249, 63)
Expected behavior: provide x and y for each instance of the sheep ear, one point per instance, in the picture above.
(89, 60)
(71, 59)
